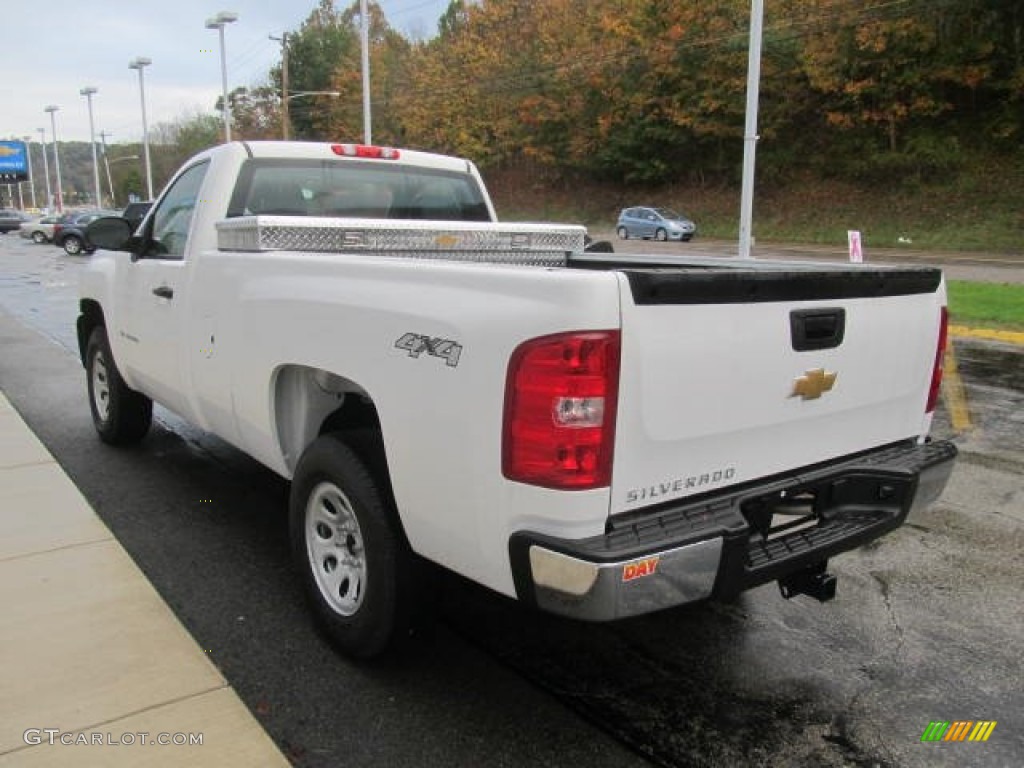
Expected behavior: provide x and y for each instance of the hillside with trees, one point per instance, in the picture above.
(884, 101)
(574, 107)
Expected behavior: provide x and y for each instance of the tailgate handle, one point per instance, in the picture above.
(812, 329)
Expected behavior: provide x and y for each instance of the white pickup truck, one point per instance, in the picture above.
(596, 435)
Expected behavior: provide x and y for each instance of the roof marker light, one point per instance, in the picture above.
(366, 150)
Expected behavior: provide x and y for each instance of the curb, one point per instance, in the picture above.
(1010, 337)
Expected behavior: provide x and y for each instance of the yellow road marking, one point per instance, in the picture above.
(962, 331)
(954, 392)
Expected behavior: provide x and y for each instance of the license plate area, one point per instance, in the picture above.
(783, 512)
(796, 509)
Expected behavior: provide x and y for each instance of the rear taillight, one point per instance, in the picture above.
(560, 401)
(940, 358)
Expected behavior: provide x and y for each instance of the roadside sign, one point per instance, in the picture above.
(13, 162)
(856, 253)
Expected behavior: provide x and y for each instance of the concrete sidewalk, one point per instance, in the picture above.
(96, 669)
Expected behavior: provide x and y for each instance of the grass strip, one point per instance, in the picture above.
(986, 305)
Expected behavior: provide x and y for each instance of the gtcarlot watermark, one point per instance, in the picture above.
(55, 736)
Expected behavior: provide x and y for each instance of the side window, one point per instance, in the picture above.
(172, 218)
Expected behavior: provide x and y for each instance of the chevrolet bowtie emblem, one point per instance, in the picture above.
(446, 241)
(812, 384)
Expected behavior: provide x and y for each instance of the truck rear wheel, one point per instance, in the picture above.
(355, 564)
(120, 414)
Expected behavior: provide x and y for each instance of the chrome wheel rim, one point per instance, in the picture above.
(100, 386)
(334, 547)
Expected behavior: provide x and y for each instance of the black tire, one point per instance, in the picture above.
(121, 415)
(623, 233)
(356, 567)
(661, 235)
(72, 245)
(38, 238)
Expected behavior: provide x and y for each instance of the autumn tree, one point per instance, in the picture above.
(654, 90)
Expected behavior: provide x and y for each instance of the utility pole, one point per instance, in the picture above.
(285, 115)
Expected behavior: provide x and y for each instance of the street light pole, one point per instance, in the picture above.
(139, 63)
(110, 180)
(88, 92)
(364, 39)
(52, 108)
(46, 170)
(31, 176)
(218, 22)
(106, 164)
(750, 128)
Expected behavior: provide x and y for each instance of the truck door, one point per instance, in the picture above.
(152, 290)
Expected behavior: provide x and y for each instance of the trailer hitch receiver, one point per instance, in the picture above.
(813, 581)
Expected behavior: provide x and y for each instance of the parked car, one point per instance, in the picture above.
(11, 219)
(659, 223)
(69, 231)
(38, 230)
(134, 213)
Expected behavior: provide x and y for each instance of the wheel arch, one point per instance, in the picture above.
(90, 316)
(310, 402)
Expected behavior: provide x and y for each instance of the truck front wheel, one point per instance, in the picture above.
(120, 414)
(355, 564)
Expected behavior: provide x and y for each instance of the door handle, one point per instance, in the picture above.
(164, 292)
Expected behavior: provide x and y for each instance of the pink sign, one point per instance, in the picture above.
(856, 254)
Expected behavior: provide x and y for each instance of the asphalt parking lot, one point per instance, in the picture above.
(926, 626)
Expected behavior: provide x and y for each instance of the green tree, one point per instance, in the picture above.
(324, 44)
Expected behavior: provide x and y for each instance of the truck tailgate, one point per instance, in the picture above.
(734, 373)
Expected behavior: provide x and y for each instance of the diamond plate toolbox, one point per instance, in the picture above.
(524, 244)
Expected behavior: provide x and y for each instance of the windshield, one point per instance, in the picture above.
(668, 213)
(349, 189)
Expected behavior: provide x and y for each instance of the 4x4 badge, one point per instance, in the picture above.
(812, 384)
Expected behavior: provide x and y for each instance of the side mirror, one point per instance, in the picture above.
(111, 233)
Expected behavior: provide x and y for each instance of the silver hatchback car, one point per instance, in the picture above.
(657, 223)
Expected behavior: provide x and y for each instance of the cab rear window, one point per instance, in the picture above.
(354, 189)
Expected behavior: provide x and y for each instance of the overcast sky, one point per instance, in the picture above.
(54, 48)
